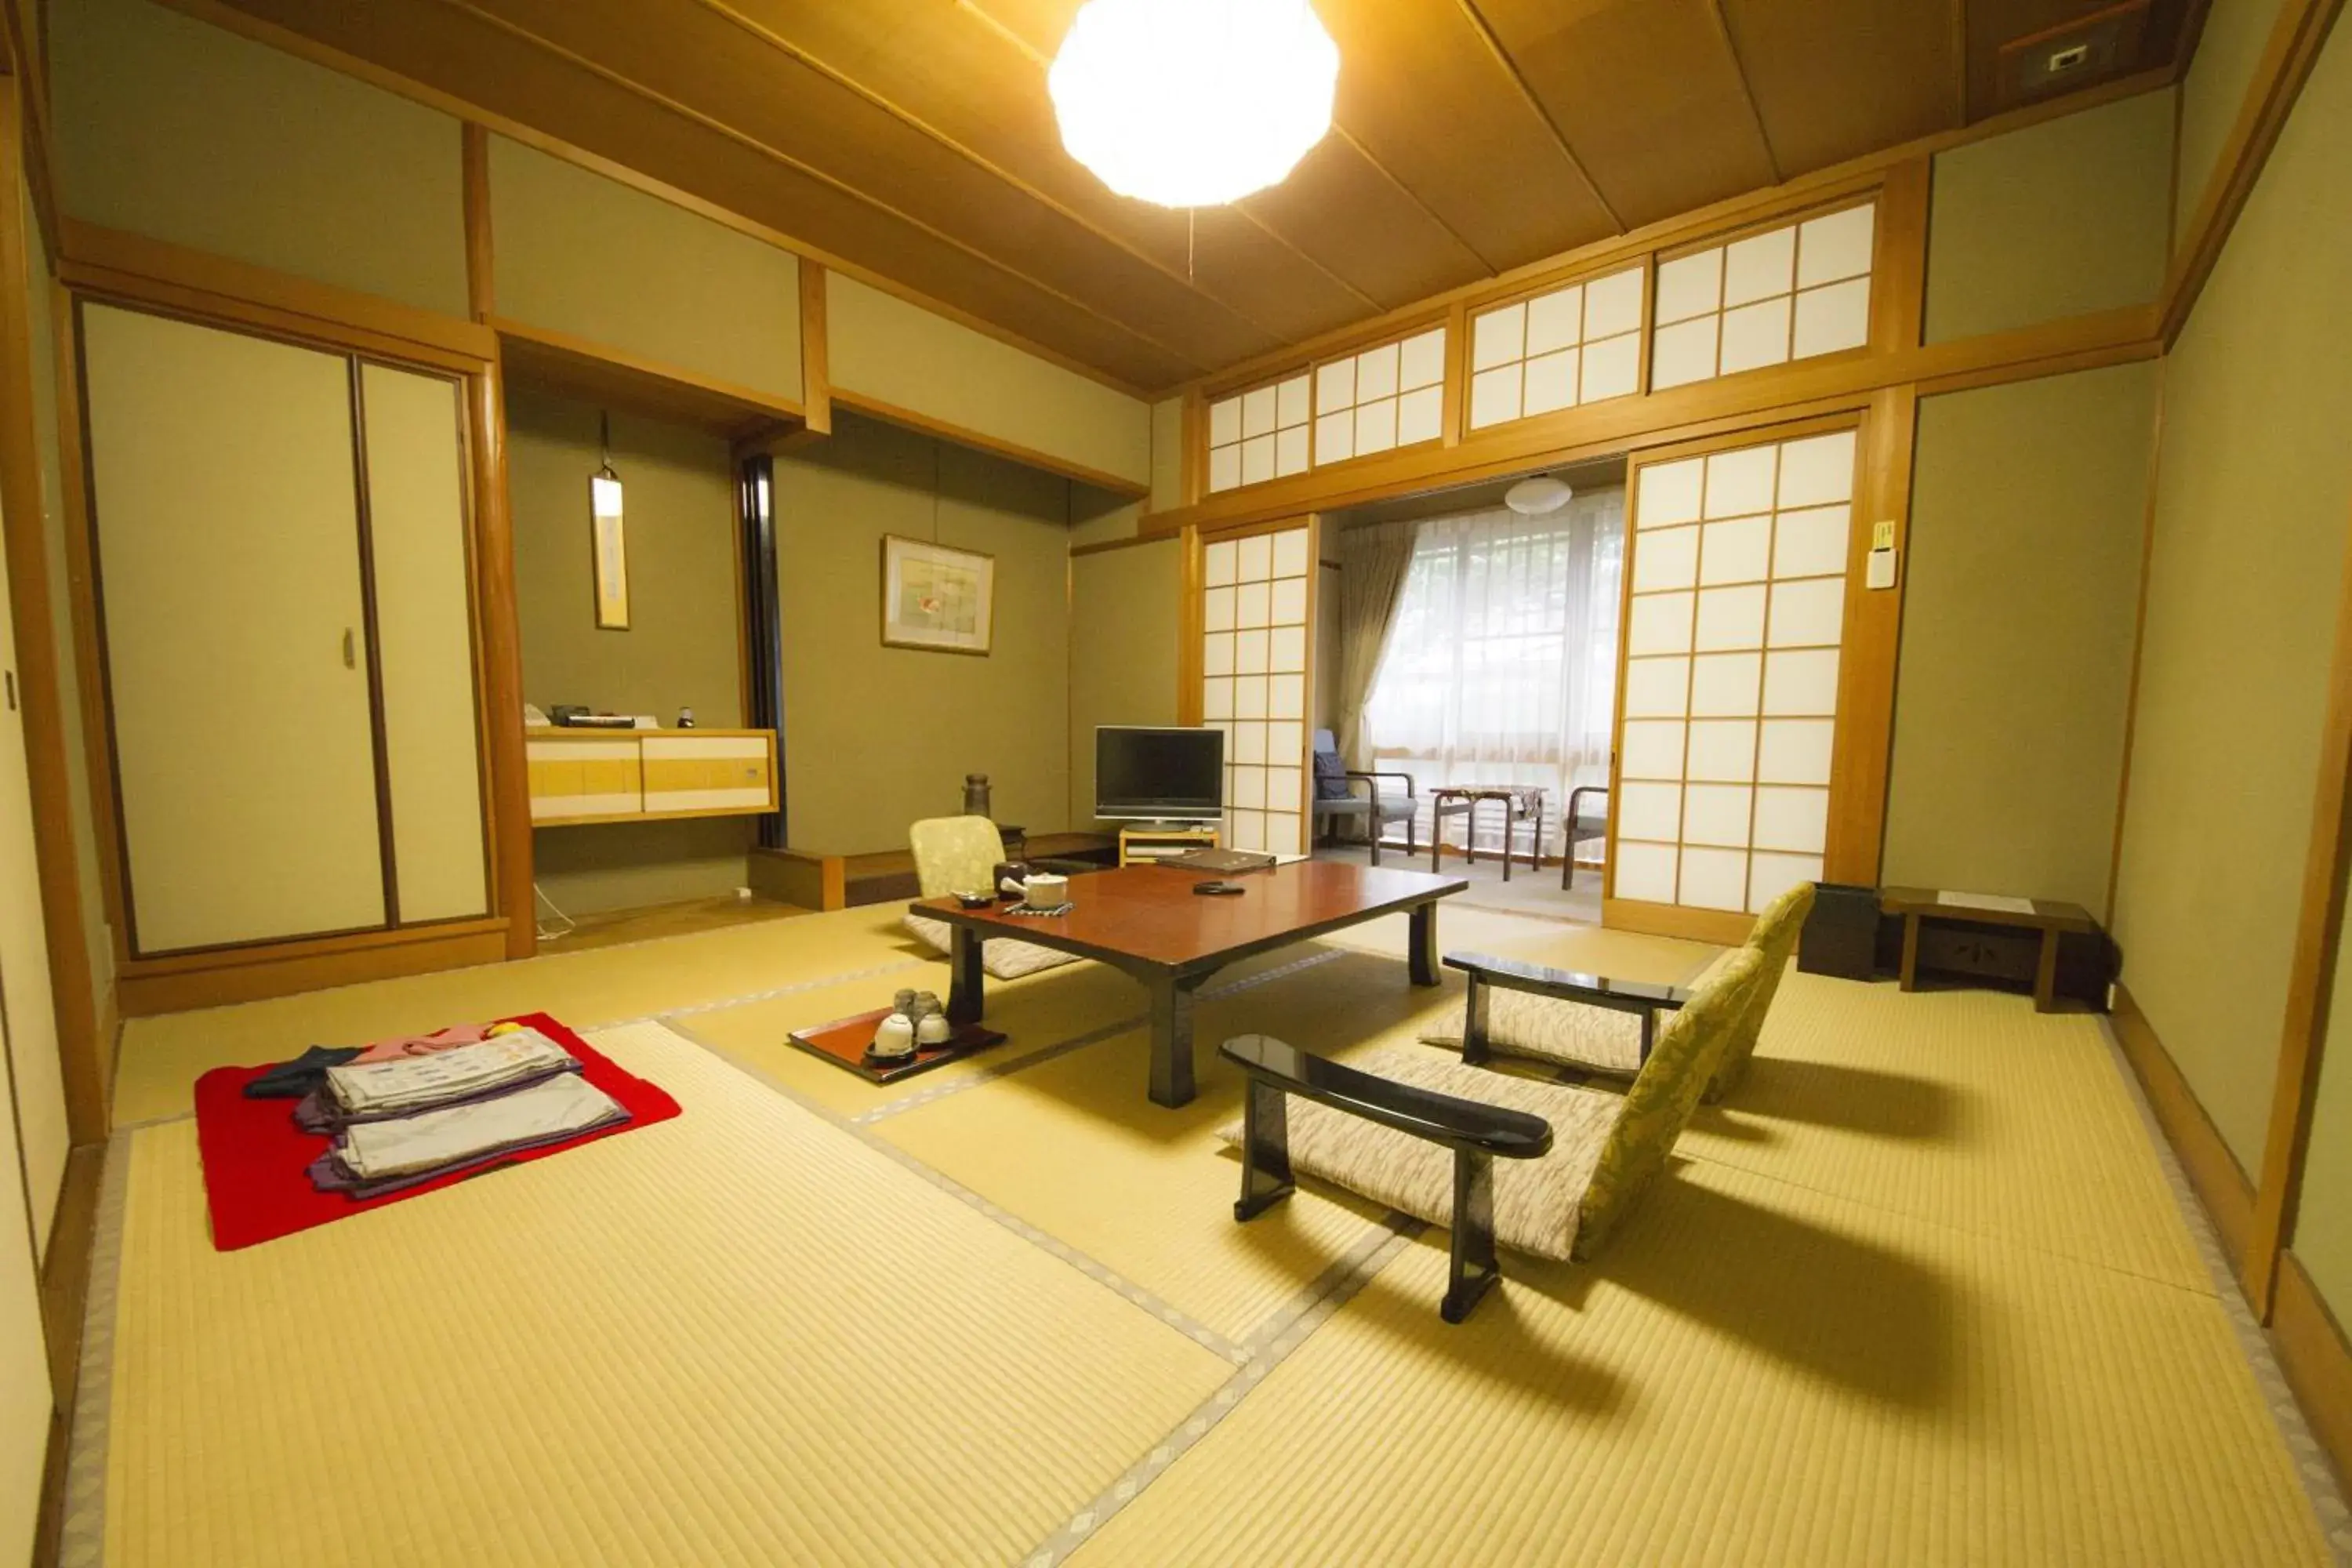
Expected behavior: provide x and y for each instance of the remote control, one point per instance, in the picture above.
(1218, 889)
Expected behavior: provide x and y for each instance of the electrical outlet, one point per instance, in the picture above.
(2068, 59)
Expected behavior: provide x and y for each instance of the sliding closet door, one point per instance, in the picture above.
(30, 1011)
(1738, 569)
(25, 1396)
(229, 574)
(425, 641)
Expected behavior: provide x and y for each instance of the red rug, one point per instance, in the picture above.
(255, 1159)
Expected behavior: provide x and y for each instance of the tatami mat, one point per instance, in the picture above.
(160, 1059)
(739, 1337)
(1965, 1108)
(1140, 1186)
(1918, 1295)
(1756, 1374)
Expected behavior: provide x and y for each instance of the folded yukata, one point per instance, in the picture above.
(368, 1159)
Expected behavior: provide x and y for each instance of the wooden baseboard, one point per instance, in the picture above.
(1723, 927)
(64, 1296)
(2221, 1184)
(2317, 1358)
(177, 990)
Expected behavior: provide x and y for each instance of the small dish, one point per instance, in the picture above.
(975, 900)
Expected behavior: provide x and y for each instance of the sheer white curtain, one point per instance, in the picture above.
(1501, 663)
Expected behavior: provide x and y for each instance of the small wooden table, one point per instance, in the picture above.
(2048, 916)
(1148, 922)
(1451, 800)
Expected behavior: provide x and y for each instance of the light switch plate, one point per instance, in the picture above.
(1881, 569)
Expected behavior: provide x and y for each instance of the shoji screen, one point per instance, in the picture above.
(1736, 616)
(1256, 606)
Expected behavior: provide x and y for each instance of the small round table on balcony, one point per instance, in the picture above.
(1462, 800)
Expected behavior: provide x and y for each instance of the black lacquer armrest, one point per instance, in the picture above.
(1568, 985)
(1462, 1125)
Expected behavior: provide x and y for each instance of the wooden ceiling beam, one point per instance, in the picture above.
(1519, 80)
(1746, 87)
(806, 171)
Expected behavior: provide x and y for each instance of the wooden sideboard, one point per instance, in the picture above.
(649, 775)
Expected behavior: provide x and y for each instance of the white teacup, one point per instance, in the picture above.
(1047, 890)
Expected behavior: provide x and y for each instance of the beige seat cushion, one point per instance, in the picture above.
(1520, 1023)
(1574, 1034)
(1003, 958)
(1536, 1201)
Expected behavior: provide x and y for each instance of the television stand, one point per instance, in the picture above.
(1145, 842)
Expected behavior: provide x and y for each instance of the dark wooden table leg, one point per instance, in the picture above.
(965, 976)
(1909, 977)
(1470, 831)
(2045, 972)
(1436, 835)
(1510, 822)
(1171, 1039)
(1535, 841)
(1421, 943)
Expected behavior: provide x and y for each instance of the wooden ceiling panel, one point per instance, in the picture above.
(981, 90)
(1647, 94)
(915, 138)
(1423, 93)
(698, 58)
(483, 65)
(1833, 80)
(1994, 23)
(1348, 213)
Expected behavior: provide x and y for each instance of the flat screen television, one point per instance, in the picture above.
(1158, 775)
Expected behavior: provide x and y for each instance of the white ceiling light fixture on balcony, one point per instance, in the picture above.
(1193, 104)
(1535, 495)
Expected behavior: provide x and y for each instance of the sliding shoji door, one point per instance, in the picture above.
(1737, 583)
(1257, 607)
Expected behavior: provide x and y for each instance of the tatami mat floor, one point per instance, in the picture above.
(1922, 1293)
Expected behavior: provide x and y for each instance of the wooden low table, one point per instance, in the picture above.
(1147, 922)
(2049, 916)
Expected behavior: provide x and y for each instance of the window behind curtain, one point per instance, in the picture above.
(1501, 665)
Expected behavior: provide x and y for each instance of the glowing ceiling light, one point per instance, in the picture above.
(1193, 104)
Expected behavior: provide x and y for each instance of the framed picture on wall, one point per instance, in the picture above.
(935, 597)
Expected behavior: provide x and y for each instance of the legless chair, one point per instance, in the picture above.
(1580, 1158)
(1604, 1025)
(957, 854)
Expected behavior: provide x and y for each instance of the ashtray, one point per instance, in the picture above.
(973, 900)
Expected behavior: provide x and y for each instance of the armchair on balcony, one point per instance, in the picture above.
(1375, 808)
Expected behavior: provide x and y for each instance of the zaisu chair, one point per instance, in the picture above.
(1604, 1025)
(1423, 1134)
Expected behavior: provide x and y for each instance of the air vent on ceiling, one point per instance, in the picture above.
(2090, 48)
